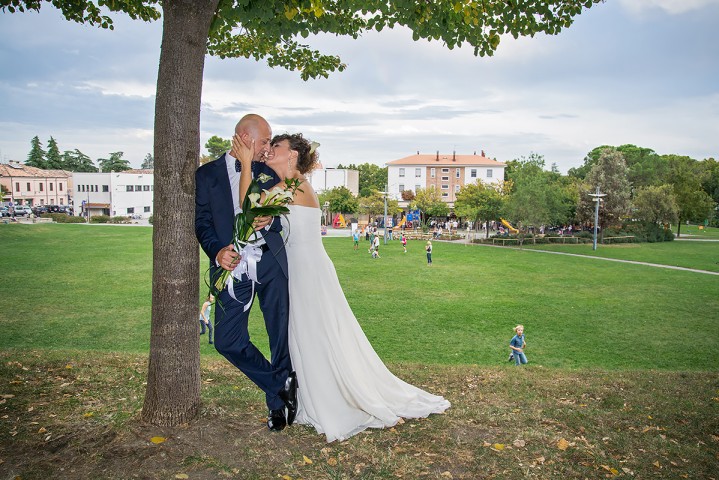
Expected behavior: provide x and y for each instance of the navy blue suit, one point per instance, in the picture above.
(214, 218)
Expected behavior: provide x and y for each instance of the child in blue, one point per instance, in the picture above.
(517, 344)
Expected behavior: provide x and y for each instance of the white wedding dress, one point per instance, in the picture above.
(344, 387)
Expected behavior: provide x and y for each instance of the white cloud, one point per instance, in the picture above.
(123, 88)
(673, 7)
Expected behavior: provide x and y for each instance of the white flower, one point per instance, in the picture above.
(254, 199)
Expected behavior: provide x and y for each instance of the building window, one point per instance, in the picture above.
(445, 179)
(401, 172)
(416, 188)
(78, 188)
(445, 194)
(147, 209)
(489, 173)
(51, 187)
(59, 186)
(458, 173)
(445, 170)
(432, 172)
(28, 187)
(473, 173)
(456, 188)
(41, 187)
(130, 209)
(96, 189)
(17, 186)
(129, 188)
(105, 188)
(445, 186)
(61, 202)
(401, 188)
(417, 172)
(145, 188)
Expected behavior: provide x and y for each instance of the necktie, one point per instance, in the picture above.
(237, 166)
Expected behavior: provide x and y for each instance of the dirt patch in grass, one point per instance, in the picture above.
(76, 416)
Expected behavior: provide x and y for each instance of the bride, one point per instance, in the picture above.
(344, 387)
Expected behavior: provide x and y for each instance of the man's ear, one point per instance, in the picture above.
(246, 139)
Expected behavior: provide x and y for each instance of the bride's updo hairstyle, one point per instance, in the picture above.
(306, 157)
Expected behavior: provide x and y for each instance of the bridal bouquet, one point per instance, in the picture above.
(243, 238)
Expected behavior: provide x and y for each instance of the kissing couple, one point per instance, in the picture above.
(323, 371)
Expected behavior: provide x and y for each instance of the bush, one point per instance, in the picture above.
(151, 219)
(63, 218)
(100, 219)
(120, 219)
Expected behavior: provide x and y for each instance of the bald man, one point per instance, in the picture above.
(216, 204)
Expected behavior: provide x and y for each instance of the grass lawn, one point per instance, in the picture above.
(88, 287)
(680, 253)
(695, 232)
(622, 379)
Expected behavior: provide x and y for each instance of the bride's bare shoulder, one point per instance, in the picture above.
(306, 196)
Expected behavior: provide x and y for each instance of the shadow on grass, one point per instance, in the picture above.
(76, 415)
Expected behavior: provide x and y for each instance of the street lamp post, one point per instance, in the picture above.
(597, 198)
(385, 213)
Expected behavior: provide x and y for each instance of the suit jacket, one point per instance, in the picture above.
(215, 215)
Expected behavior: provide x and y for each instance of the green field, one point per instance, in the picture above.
(88, 287)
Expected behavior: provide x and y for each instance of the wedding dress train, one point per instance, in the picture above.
(344, 387)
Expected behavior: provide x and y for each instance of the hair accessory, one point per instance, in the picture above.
(313, 147)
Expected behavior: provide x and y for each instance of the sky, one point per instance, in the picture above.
(642, 72)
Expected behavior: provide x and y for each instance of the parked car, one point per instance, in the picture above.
(4, 211)
(39, 210)
(22, 211)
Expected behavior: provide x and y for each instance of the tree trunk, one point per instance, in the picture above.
(172, 396)
(679, 227)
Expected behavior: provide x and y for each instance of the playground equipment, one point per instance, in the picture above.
(402, 222)
(339, 221)
(509, 226)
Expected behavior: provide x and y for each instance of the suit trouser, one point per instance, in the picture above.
(232, 338)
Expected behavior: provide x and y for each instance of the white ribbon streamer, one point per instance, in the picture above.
(250, 256)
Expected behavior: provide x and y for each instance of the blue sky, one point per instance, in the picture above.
(644, 72)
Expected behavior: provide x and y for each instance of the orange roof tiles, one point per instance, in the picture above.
(429, 160)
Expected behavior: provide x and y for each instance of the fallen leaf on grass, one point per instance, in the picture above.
(42, 430)
(68, 366)
(89, 414)
(498, 446)
(182, 476)
(332, 462)
(613, 471)
(306, 460)
(286, 477)
(446, 474)
(656, 464)
(157, 440)
(562, 444)
(519, 443)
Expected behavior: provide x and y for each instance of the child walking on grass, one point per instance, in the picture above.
(517, 344)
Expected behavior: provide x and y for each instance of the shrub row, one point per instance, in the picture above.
(63, 218)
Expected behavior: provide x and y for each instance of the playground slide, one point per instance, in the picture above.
(509, 226)
(402, 222)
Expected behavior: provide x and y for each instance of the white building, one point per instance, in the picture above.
(128, 193)
(323, 179)
(447, 173)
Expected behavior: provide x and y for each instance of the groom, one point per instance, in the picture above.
(216, 203)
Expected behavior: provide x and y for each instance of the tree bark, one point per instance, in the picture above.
(172, 396)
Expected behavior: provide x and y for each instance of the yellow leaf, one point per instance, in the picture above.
(182, 476)
(446, 474)
(656, 464)
(562, 444)
(498, 446)
(89, 414)
(42, 430)
(68, 366)
(649, 417)
(613, 471)
(286, 477)
(306, 460)
(157, 440)
(332, 461)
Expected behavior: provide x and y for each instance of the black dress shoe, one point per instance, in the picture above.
(288, 394)
(276, 420)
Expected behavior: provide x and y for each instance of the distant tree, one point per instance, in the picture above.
(113, 164)
(430, 204)
(656, 204)
(371, 177)
(76, 161)
(216, 146)
(644, 165)
(610, 174)
(36, 157)
(340, 199)
(686, 176)
(373, 205)
(710, 182)
(148, 163)
(53, 159)
(407, 195)
(480, 202)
